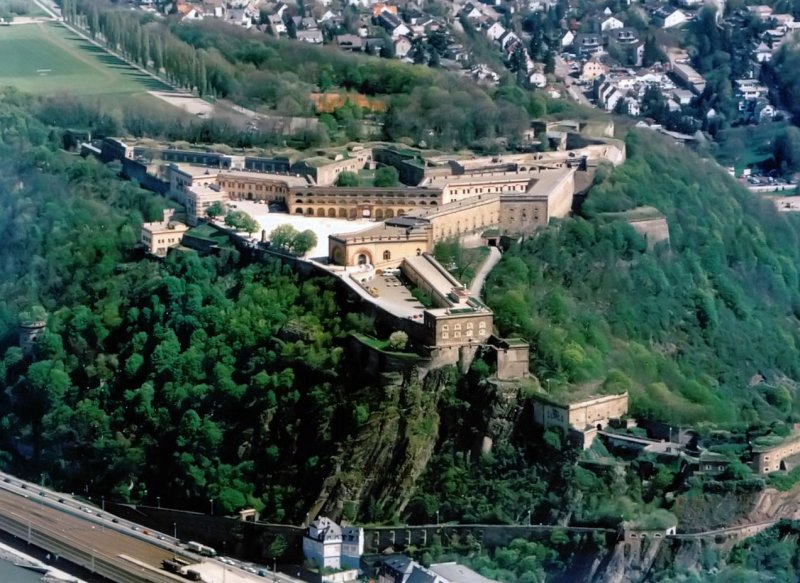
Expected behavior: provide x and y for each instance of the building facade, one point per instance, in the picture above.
(159, 237)
(769, 459)
(580, 414)
(322, 543)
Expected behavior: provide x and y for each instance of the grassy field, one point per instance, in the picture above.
(47, 59)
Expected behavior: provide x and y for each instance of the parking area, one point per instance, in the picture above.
(391, 293)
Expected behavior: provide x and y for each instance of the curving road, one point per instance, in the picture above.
(488, 264)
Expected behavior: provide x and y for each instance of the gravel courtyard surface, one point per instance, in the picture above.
(323, 227)
(193, 105)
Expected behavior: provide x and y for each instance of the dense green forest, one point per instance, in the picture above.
(191, 379)
(686, 327)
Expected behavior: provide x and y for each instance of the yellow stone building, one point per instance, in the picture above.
(160, 236)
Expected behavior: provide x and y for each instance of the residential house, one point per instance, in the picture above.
(508, 41)
(611, 23)
(633, 106)
(482, 72)
(588, 44)
(401, 569)
(392, 24)
(592, 69)
(349, 42)
(690, 3)
(762, 53)
(495, 31)
(608, 95)
(214, 8)
(381, 6)
(374, 45)
(566, 40)
(414, 16)
(322, 544)
(402, 46)
(537, 79)
(310, 36)
(471, 12)
(190, 13)
(667, 17)
(624, 36)
(276, 25)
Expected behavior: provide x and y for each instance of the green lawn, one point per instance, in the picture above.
(47, 59)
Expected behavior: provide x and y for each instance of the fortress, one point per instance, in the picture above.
(442, 197)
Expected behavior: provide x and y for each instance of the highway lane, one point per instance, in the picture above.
(88, 544)
(25, 505)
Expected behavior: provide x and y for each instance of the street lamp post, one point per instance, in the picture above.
(158, 502)
(437, 518)
(103, 503)
(211, 501)
(175, 531)
(529, 517)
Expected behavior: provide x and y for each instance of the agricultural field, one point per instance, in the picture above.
(47, 59)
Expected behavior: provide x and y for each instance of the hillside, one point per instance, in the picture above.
(688, 327)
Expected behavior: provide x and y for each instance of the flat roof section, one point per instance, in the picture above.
(433, 273)
(291, 180)
(195, 171)
(380, 231)
(460, 573)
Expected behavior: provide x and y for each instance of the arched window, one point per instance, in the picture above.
(469, 326)
(457, 327)
(387, 255)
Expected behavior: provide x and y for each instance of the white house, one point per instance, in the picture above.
(567, 39)
(322, 543)
(669, 18)
(611, 23)
(472, 12)
(495, 31)
(762, 54)
(402, 46)
(352, 546)
(310, 36)
(538, 79)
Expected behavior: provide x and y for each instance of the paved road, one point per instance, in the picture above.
(118, 549)
(755, 526)
(84, 542)
(488, 264)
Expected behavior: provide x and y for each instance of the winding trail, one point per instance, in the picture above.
(488, 264)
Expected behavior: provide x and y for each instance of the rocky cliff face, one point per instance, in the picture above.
(378, 469)
(725, 510)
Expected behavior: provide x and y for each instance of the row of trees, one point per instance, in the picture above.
(429, 106)
(151, 45)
